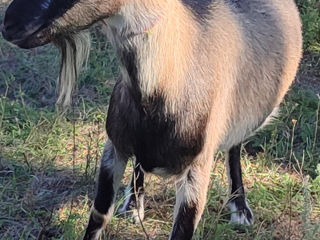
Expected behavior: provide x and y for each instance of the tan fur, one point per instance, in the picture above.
(253, 94)
(195, 76)
(220, 68)
(195, 192)
(239, 95)
(84, 12)
(227, 78)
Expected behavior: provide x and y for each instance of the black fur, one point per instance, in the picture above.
(143, 129)
(136, 187)
(201, 8)
(235, 170)
(183, 227)
(105, 191)
(237, 189)
(22, 13)
(140, 127)
(95, 223)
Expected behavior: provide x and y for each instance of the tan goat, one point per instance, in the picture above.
(196, 76)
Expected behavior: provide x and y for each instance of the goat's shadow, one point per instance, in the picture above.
(30, 197)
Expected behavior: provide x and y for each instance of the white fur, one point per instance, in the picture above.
(77, 50)
(269, 119)
(237, 217)
(117, 165)
(106, 218)
(138, 213)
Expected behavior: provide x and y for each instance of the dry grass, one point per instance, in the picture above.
(48, 161)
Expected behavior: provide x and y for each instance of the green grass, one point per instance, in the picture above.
(46, 184)
(310, 16)
(48, 160)
(48, 164)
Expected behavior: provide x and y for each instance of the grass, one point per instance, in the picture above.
(48, 160)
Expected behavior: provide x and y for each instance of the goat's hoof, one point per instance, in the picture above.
(130, 210)
(240, 213)
(95, 226)
(138, 215)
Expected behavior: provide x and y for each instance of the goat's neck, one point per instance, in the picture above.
(162, 55)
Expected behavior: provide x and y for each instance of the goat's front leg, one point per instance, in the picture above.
(111, 171)
(240, 210)
(134, 195)
(191, 198)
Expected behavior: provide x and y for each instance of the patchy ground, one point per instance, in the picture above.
(309, 74)
(48, 161)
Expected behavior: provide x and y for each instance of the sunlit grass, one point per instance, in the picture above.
(48, 164)
(49, 160)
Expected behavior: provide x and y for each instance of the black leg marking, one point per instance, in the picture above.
(240, 211)
(184, 225)
(105, 193)
(96, 223)
(191, 198)
(111, 171)
(134, 195)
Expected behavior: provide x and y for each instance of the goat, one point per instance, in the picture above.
(196, 76)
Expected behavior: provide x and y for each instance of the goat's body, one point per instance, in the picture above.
(208, 75)
(205, 83)
(196, 75)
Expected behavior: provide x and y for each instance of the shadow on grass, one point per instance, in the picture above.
(33, 200)
(45, 196)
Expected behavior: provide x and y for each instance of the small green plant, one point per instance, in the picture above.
(293, 134)
(310, 16)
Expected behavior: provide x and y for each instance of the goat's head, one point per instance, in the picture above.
(31, 23)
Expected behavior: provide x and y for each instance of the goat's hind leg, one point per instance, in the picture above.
(240, 210)
(134, 195)
(111, 171)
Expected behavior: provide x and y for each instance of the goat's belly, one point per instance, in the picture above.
(165, 156)
(155, 144)
(157, 150)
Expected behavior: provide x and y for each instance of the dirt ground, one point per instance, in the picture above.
(309, 73)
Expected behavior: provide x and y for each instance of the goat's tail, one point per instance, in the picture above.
(75, 50)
